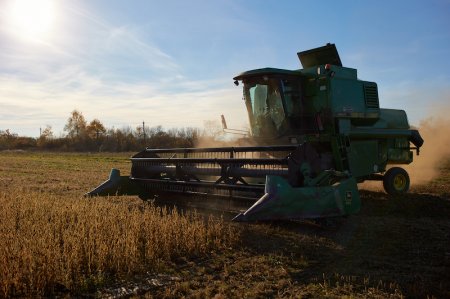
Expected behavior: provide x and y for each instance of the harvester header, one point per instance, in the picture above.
(316, 131)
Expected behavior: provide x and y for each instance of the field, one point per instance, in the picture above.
(55, 242)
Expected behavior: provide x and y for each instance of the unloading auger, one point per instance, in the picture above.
(319, 131)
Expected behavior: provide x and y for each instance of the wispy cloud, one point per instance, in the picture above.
(95, 72)
(51, 100)
(126, 40)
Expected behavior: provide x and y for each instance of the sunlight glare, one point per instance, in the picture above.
(32, 18)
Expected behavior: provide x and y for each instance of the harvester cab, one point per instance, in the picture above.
(317, 132)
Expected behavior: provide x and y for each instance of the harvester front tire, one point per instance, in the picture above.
(396, 181)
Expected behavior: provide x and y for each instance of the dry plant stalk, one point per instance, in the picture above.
(49, 241)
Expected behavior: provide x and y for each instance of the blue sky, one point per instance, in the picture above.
(171, 63)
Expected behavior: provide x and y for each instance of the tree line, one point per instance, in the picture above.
(81, 135)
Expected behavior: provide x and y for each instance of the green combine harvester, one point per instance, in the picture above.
(315, 133)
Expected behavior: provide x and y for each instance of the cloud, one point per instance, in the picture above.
(126, 41)
(50, 101)
(42, 84)
(108, 72)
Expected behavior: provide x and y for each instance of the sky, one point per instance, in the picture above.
(171, 63)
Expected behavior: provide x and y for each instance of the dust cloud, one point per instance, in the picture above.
(207, 142)
(435, 151)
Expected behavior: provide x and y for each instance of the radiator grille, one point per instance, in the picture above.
(371, 95)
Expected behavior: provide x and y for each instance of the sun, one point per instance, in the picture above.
(33, 18)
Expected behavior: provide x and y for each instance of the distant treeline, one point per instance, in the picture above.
(93, 136)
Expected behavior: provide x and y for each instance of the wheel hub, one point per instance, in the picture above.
(399, 182)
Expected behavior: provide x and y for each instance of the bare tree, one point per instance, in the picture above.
(95, 129)
(47, 133)
(76, 124)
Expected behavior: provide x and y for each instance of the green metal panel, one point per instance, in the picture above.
(321, 55)
(347, 96)
(363, 157)
(116, 185)
(399, 156)
(266, 72)
(344, 73)
(399, 152)
(392, 119)
(368, 132)
(316, 92)
(282, 201)
(336, 150)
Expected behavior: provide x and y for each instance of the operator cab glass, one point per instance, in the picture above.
(270, 104)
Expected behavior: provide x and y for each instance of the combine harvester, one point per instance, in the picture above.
(318, 131)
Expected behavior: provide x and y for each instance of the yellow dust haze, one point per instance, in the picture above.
(435, 151)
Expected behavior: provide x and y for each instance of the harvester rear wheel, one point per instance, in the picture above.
(396, 181)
